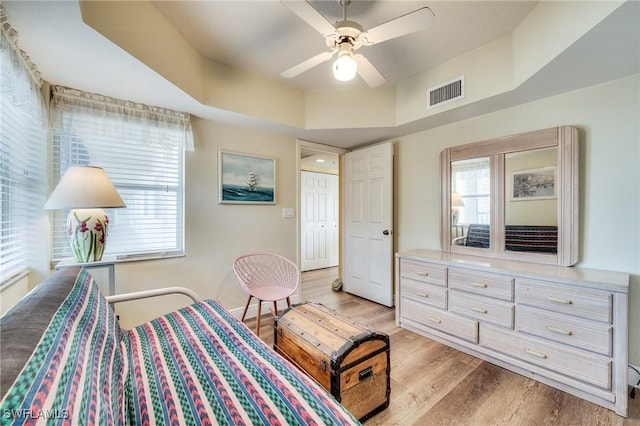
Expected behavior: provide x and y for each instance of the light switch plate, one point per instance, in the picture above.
(288, 212)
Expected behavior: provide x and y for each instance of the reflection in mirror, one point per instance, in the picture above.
(470, 202)
(519, 197)
(531, 201)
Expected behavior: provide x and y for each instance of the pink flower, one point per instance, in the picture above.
(98, 226)
(83, 226)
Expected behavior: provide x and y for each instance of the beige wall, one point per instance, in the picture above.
(217, 233)
(607, 117)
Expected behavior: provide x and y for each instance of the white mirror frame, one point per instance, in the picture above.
(565, 138)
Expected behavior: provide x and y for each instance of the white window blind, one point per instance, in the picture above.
(470, 179)
(141, 149)
(23, 142)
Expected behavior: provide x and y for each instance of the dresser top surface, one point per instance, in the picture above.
(614, 281)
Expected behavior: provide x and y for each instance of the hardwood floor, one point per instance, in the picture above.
(433, 384)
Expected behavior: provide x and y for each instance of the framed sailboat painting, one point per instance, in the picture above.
(246, 179)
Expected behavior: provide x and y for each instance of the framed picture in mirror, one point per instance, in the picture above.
(533, 184)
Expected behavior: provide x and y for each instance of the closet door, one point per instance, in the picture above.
(319, 223)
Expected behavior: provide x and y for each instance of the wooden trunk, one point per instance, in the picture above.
(344, 357)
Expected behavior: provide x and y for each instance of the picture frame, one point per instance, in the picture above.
(534, 184)
(246, 178)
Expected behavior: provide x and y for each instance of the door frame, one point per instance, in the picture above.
(320, 148)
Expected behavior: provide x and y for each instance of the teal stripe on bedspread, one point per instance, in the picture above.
(206, 367)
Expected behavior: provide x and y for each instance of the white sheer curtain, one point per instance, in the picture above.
(119, 119)
(20, 80)
(23, 146)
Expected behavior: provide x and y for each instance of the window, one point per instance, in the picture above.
(141, 149)
(23, 142)
(470, 179)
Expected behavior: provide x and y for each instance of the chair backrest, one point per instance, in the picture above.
(259, 270)
(478, 236)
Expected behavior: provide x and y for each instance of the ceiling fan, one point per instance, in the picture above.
(347, 36)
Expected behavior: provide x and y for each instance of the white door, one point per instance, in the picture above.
(368, 219)
(319, 220)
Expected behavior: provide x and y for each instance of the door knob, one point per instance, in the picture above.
(385, 232)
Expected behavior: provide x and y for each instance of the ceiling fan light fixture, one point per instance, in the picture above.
(345, 67)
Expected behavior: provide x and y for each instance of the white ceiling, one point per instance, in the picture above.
(266, 38)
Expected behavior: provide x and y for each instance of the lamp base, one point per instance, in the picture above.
(87, 234)
(455, 213)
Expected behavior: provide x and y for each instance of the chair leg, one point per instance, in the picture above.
(246, 307)
(288, 302)
(258, 318)
(275, 307)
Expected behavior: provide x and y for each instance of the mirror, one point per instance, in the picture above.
(513, 198)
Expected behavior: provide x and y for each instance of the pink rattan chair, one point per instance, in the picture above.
(267, 277)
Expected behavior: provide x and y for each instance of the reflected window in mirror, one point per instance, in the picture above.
(471, 202)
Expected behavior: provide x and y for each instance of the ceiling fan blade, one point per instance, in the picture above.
(412, 22)
(310, 15)
(368, 72)
(307, 65)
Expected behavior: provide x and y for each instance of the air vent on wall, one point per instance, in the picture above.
(446, 92)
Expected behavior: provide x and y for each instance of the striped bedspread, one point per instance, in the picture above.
(200, 365)
(195, 366)
(74, 375)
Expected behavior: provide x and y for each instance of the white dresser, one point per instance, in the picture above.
(563, 326)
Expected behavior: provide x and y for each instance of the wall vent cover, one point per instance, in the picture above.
(445, 92)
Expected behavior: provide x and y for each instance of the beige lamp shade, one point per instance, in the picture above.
(85, 191)
(456, 200)
(84, 187)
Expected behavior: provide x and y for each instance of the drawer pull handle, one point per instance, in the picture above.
(422, 294)
(559, 330)
(479, 285)
(560, 300)
(478, 309)
(436, 320)
(424, 274)
(535, 353)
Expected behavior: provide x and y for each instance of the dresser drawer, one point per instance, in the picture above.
(581, 302)
(425, 272)
(454, 325)
(483, 283)
(482, 308)
(422, 292)
(587, 367)
(593, 336)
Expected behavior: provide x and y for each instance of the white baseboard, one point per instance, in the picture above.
(634, 377)
(266, 307)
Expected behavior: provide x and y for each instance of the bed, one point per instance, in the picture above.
(195, 366)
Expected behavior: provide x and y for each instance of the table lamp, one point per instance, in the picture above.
(86, 191)
(456, 201)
